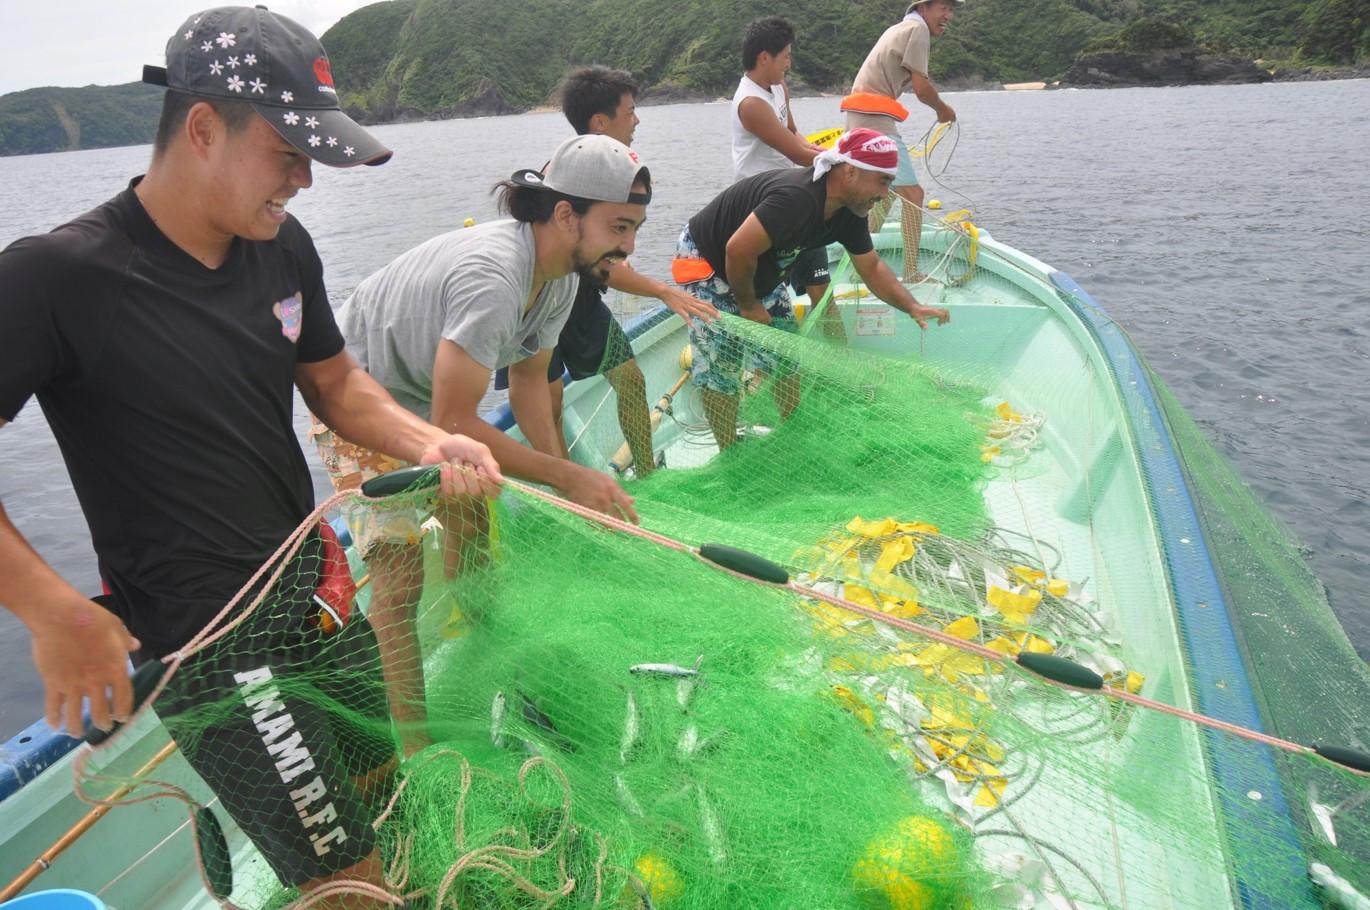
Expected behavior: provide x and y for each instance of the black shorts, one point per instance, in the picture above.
(591, 342)
(278, 717)
(809, 269)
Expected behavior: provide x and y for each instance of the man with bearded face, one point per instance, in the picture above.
(436, 322)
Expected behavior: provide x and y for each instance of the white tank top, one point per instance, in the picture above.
(751, 155)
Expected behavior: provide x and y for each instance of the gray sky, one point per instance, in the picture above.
(106, 42)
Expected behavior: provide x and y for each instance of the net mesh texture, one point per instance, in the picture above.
(526, 707)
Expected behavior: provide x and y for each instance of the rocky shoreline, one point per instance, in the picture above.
(1101, 70)
(1188, 66)
(1169, 67)
(1320, 74)
(1111, 69)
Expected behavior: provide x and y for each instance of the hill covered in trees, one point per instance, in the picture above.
(442, 58)
(97, 116)
(454, 57)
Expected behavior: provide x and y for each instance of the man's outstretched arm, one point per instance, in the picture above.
(531, 404)
(927, 93)
(80, 649)
(891, 290)
(459, 383)
(759, 119)
(623, 277)
(745, 247)
(358, 408)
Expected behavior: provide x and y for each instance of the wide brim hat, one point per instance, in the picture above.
(917, 3)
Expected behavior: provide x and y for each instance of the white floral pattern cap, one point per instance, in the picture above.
(247, 53)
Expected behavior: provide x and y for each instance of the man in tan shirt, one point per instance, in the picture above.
(897, 63)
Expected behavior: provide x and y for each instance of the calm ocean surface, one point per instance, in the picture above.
(1223, 226)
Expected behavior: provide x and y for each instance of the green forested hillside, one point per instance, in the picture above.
(57, 119)
(489, 56)
(433, 58)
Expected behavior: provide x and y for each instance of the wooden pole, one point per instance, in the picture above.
(623, 458)
(44, 861)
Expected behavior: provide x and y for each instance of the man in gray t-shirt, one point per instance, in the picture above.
(436, 322)
(468, 287)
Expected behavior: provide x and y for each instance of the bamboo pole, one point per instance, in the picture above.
(44, 861)
(623, 458)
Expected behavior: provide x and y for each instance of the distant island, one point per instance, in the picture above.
(60, 119)
(429, 59)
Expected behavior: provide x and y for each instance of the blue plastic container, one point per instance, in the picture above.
(64, 899)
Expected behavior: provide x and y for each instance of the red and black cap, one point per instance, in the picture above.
(244, 53)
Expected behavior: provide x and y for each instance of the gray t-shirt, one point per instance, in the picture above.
(901, 51)
(469, 286)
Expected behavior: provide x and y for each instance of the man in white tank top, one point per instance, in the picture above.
(765, 137)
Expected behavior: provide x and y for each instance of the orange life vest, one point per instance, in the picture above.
(875, 103)
(684, 271)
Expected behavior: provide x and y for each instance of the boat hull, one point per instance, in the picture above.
(1109, 493)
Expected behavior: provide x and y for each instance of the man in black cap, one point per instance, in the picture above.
(164, 334)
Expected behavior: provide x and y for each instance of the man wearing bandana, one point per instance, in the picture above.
(734, 253)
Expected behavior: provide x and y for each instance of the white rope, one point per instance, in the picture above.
(585, 426)
(155, 847)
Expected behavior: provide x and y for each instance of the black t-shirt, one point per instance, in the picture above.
(169, 388)
(789, 204)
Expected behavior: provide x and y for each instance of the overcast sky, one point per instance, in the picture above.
(106, 42)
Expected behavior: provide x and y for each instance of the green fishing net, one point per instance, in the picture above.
(567, 714)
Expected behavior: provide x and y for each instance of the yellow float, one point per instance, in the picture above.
(913, 866)
(662, 881)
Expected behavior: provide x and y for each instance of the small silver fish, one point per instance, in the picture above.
(689, 741)
(632, 730)
(685, 687)
(534, 715)
(670, 671)
(692, 745)
(644, 894)
(684, 692)
(626, 798)
(497, 709)
(712, 828)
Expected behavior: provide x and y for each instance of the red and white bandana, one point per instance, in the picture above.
(867, 149)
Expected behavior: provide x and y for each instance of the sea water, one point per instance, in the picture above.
(1223, 226)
